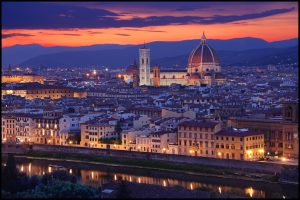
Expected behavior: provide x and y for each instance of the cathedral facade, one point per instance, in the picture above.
(203, 67)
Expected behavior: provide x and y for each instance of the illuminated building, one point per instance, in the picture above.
(239, 144)
(196, 138)
(36, 90)
(203, 68)
(281, 136)
(8, 128)
(207, 139)
(21, 78)
(46, 128)
(94, 130)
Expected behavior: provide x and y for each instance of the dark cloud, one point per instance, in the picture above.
(56, 16)
(122, 34)
(71, 34)
(15, 34)
(144, 30)
(94, 32)
(194, 6)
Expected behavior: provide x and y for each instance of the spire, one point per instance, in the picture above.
(9, 70)
(144, 45)
(203, 38)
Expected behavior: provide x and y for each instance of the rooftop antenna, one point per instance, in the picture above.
(144, 44)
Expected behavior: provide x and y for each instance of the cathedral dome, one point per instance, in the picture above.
(203, 55)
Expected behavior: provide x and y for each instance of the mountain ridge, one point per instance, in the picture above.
(35, 54)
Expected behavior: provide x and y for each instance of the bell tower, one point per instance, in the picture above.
(144, 66)
(156, 76)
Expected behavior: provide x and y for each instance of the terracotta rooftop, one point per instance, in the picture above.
(236, 132)
(198, 124)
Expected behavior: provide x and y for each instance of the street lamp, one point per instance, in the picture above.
(191, 151)
(261, 151)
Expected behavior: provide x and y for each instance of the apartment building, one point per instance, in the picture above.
(94, 130)
(46, 130)
(8, 130)
(281, 135)
(196, 138)
(239, 144)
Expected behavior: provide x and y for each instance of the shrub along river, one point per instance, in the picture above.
(97, 174)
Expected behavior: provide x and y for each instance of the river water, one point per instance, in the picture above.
(97, 175)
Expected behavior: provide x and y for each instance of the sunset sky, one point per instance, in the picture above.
(83, 24)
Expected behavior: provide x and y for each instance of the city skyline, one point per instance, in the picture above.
(75, 24)
(150, 100)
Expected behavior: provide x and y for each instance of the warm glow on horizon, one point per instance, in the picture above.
(271, 28)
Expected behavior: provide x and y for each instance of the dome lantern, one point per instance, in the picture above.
(203, 38)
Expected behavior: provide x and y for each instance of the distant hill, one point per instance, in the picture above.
(19, 53)
(285, 43)
(241, 58)
(123, 55)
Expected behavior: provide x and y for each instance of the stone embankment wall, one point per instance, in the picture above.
(213, 162)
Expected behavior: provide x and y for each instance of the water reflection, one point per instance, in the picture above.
(97, 178)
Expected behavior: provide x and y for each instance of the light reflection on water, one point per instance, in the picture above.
(97, 178)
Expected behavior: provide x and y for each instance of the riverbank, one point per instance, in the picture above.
(198, 170)
(98, 175)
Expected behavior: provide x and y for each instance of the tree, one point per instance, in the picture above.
(10, 170)
(9, 174)
(123, 191)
